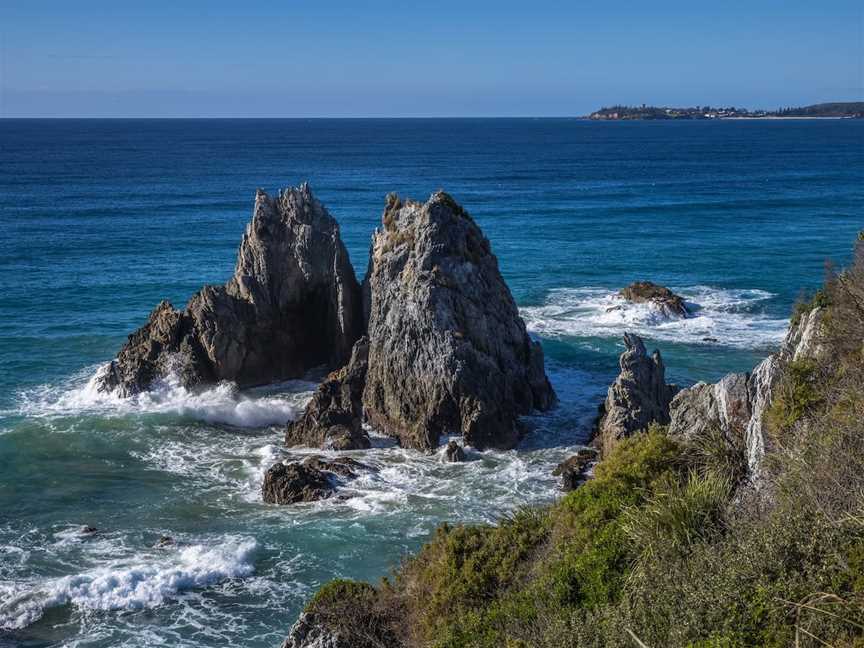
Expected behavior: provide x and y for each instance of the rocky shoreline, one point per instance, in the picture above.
(430, 345)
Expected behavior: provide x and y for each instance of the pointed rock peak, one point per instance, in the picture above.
(638, 397)
(634, 344)
(436, 300)
(293, 303)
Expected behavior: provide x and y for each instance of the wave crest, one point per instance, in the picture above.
(731, 317)
(222, 403)
(145, 584)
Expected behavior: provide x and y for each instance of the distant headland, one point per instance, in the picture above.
(836, 110)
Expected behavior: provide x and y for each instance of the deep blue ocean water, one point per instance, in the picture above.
(100, 219)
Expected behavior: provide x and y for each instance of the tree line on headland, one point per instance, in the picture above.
(854, 109)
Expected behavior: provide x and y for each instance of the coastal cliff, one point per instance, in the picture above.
(736, 522)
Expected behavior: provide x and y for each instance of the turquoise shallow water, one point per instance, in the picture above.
(99, 220)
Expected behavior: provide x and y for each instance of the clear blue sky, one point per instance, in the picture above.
(332, 58)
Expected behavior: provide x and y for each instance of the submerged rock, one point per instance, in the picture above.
(669, 303)
(574, 470)
(638, 397)
(333, 418)
(454, 453)
(310, 480)
(292, 304)
(448, 352)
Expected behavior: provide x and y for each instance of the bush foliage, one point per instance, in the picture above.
(668, 545)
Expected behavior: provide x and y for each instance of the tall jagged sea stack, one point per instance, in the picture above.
(292, 304)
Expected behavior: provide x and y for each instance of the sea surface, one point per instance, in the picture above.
(100, 220)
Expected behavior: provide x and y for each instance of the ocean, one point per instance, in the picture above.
(101, 219)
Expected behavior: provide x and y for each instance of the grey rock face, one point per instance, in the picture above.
(292, 304)
(448, 351)
(638, 397)
(736, 405)
(333, 418)
(312, 479)
(308, 632)
(724, 405)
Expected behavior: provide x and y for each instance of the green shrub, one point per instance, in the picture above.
(677, 516)
(796, 395)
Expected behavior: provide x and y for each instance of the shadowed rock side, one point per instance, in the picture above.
(333, 418)
(649, 292)
(448, 352)
(638, 397)
(292, 304)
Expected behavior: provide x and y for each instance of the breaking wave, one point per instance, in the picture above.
(147, 582)
(223, 403)
(729, 317)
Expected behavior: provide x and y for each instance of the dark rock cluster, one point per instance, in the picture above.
(312, 479)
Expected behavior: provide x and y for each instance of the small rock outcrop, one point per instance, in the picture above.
(448, 351)
(309, 632)
(638, 397)
(292, 304)
(724, 406)
(454, 453)
(309, 480)
(333, 418)
(665, 300)
(574, 470)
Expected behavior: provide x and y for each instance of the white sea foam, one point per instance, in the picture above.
(145, 583)
(731, 317)
(222, 403)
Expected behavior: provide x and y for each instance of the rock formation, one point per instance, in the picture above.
(308, 632)
(312, 479)
(448, 352)
(669, 303)
(333, 418)
(292, 304)
(638, 397)
(574, 470)
(454, 452)
(735, 406)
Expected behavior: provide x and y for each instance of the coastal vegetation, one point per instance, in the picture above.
(671, 543)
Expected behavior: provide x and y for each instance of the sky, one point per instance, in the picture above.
(158, 58)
